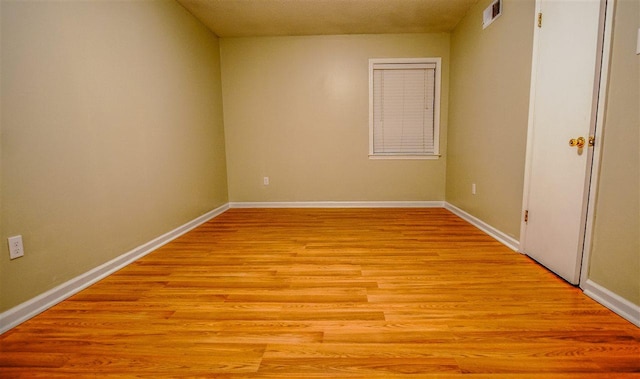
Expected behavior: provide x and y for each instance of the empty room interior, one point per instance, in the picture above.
(195, 188)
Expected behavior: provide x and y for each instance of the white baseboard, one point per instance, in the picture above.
(616, 303)
(506, 240)
(602, 295)
(23, 312)
(31, 308)
(339, 204)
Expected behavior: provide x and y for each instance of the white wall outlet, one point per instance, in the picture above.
(16, 250)
(265, 180)
(473, 188)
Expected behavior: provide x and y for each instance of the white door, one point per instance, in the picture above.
(562, 108)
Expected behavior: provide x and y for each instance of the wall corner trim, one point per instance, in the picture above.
(501, 237)
(31, 308)
(339, 204)
(623, 307)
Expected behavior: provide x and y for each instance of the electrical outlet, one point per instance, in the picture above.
(16, 250)
(473, 188)
(265, 180)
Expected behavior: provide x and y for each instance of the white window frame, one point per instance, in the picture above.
(380, 63)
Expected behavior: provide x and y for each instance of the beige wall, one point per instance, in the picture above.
(112, 133)
(296, 110)
(615, 254)
(490, 77)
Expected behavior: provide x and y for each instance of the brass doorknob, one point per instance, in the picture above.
(579, 142)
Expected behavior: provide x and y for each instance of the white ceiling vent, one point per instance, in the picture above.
(492, 12)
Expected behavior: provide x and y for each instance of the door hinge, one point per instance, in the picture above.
(526, 216)
(540, 19)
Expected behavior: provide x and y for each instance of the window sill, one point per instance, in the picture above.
(381, 156)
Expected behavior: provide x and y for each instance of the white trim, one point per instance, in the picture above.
(395, 64)
(602, 295)
(31, 308)
(530, 119)
(339, 204)
(501, 237)
(390, 156)
(597, 148)
(618, 304)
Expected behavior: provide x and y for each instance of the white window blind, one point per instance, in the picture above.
(404, 109)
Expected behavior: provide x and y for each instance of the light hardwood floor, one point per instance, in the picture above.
(307, 293)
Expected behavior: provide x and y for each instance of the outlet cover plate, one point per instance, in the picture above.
(16, 249)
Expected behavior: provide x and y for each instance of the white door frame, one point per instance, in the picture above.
(604, 44)
(597, 148)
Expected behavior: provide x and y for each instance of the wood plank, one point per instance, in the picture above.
(317, 293)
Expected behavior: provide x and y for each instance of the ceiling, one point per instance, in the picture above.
(250, 18)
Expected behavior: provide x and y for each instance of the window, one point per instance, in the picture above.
(404, 108)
